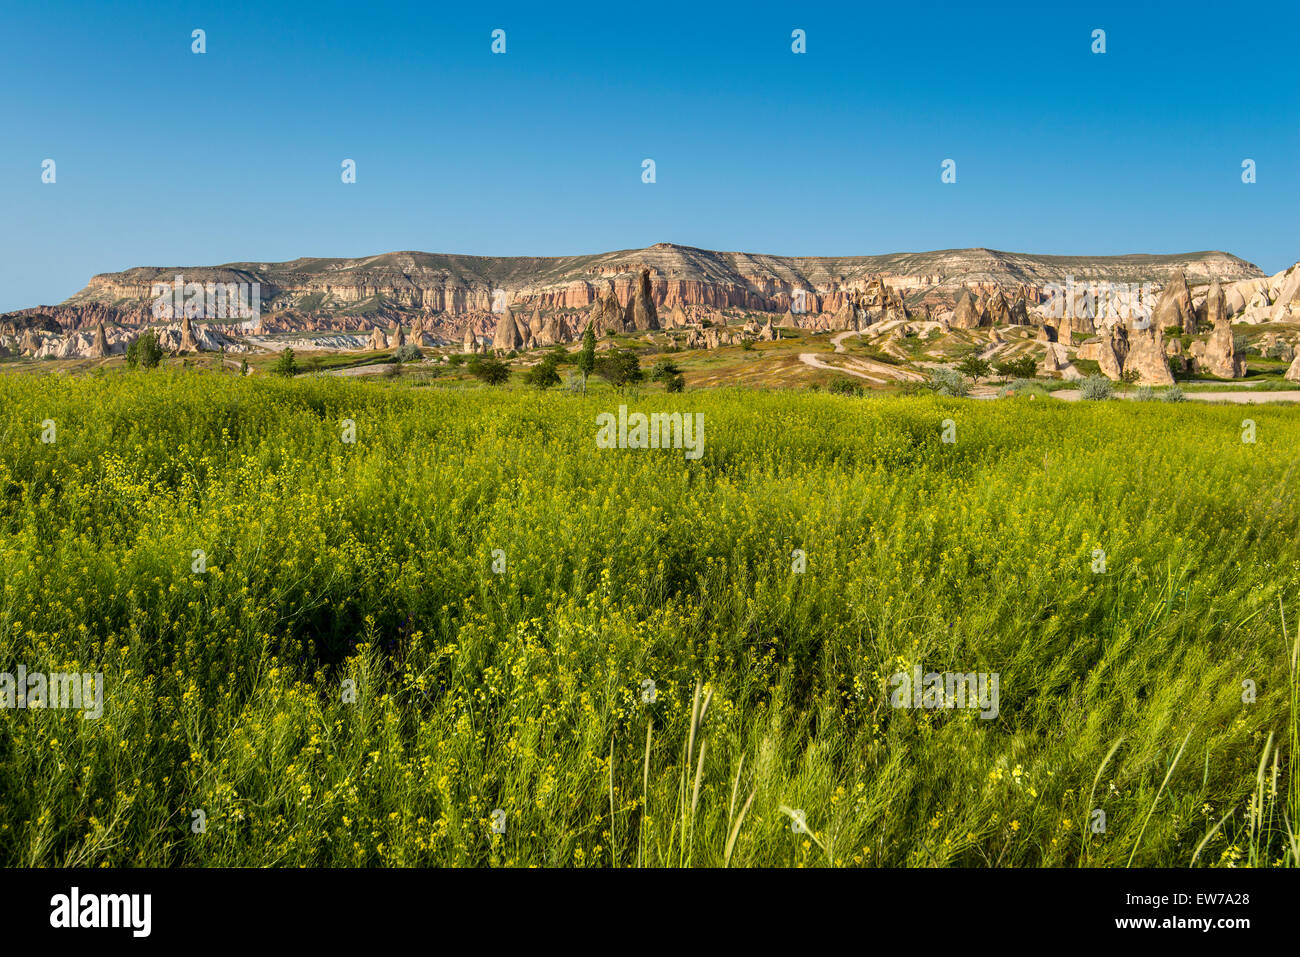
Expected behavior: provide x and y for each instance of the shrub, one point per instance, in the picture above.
(1173, 394)
(408, 353)
(667, 372)
(543, 375)
(843, 385)
(1024, 387)
(948, 382)
(1096, 388)
(488, 369)
(1021, 368)
(1145, 394)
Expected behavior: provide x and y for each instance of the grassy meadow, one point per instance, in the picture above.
(460, 613)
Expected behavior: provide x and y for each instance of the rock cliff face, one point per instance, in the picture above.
(445, 288)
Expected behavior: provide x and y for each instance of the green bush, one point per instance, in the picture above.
(488, 369)
(285, 365)
(948, 382)
(619, 367)
(144, 352)
(543, 375)
(1022, 368)
(1096, 388)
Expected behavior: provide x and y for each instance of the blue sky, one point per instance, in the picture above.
(168, 158)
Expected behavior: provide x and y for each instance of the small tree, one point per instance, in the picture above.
(619, 367)
(285, 365)
(587, 356)
(973, 366)
(144, 352)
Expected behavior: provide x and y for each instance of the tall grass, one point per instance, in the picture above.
(369, 566)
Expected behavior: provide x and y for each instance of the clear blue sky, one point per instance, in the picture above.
(165, 157)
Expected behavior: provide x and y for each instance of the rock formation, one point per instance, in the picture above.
(1174, 307)
(396, 339)
(966, 315)
(1108, 359)
(641, 315)
(187, 336)
(1020, 311)
(845, 318)
(1293, 373)
(551, 333)
(1147, 356)
(999, 311)
(1050, 363)
(508, 337)
(377, 341)
(608, 315)
(99, 349)
(1220, 355)
(470, 343)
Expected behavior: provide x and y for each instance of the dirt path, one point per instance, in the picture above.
(810, 359)
(869, 369)
(838, 340)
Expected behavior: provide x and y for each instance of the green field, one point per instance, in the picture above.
(231, 733)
